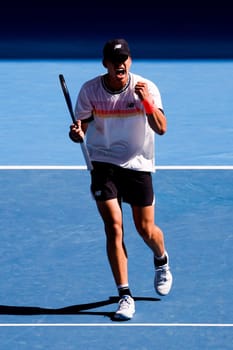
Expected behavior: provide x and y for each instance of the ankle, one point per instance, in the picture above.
(124, 290)
(160, 261)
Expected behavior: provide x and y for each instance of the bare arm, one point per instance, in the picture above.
(156, 118)
(157, 121)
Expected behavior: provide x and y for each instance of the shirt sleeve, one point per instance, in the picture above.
(83, 108)
(155, 93)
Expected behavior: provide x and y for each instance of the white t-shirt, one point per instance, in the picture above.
(119, 132)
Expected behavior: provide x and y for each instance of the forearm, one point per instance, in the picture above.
(84, 127)
(157, 121)
(156, 117)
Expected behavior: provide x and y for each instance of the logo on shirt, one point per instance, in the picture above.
(130, 105)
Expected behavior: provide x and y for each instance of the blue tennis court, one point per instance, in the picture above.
(57, 290)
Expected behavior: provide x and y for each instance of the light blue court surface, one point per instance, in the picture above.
(57, 291)
(197, 99)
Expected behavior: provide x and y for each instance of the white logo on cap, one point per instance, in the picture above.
(117, 46)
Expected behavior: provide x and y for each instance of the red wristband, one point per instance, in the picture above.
(149, 106)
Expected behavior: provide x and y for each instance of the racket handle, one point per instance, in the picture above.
(86, 155)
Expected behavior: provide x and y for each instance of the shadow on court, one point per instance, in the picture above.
(81, 309)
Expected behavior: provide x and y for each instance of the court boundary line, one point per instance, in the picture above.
(83, 167)
(198, 325)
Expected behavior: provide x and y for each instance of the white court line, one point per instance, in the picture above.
(213, 325)
(43, 167)
(194, 167)
(83, 167)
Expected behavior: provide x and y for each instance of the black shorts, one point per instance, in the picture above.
(109, 181)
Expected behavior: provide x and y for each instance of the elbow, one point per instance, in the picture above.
(163, 131)
(159, 126)
(163, 127)
(159, 130)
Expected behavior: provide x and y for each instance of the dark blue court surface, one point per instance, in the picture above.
(57, 291)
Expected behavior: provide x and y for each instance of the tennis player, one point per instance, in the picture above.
(119, 113)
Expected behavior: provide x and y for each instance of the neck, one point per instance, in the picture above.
(115, 85)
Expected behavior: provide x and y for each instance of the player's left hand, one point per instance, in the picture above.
(141, 89)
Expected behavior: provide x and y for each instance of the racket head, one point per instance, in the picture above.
(63, 84)
(69, 104)
(67, 96)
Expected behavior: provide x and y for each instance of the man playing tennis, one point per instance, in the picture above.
(119, 113)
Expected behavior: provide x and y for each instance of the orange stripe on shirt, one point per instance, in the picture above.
(116, 113)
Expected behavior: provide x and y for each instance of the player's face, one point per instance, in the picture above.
(118, 71)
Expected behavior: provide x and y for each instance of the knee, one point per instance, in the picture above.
(145, 230)
(114, 232)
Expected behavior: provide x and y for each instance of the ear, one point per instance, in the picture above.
(130, 61)
(104, 63)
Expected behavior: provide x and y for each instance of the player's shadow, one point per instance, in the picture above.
(81, 309)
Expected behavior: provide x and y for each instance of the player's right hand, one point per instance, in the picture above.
(76, 133)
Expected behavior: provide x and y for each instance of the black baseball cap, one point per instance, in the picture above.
(116, 50)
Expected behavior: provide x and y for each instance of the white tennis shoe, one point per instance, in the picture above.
(163, 278)
(126, 308)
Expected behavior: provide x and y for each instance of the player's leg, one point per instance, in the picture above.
(154, 238)
(111, 214)
(151, 233)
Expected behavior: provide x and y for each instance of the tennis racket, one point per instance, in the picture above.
(70, 108)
